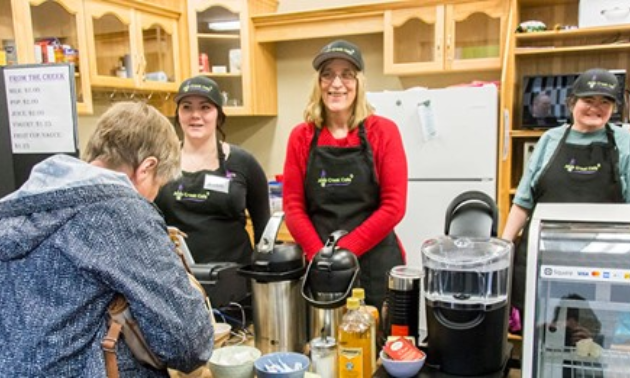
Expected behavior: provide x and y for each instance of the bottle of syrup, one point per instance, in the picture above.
(372, 314)
(355, 343)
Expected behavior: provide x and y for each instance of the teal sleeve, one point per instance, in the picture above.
(622, 329)
(622, 138)
(543, 151)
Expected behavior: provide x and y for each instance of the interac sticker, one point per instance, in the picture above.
(40, 108)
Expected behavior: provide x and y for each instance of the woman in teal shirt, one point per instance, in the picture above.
(586, 161)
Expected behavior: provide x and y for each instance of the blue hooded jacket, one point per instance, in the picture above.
(70, 238)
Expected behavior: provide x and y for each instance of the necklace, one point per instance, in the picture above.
(200, 160)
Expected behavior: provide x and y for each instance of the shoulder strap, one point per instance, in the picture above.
(109, 348)
(121, 319)
(177, 237)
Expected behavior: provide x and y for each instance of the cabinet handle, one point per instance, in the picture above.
(448, 47)
(144, 65)
(139, 66)
(506, 134)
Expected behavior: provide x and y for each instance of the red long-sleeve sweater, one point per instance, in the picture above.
(390, 164)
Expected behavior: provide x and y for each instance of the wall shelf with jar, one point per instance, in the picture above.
(133, 48)
(48, 31)
(221, 40)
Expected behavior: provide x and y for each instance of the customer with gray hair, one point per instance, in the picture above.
(77, 234)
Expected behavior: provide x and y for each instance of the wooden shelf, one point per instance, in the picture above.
(571, 49)
(531, 3)
(218, 36)
(573, 33)
(219, 75)
(526, 133)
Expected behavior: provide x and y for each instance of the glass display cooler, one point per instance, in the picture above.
(577, 302)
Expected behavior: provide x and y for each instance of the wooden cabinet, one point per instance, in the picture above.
(222, 47)
(61, 21)
(459, 36)
(133, 47)
(553, 52)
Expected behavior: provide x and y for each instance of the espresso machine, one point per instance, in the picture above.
(328, 282)
(276, 275)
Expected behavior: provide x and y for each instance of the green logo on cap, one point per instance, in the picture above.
(602, 84)
(200, 87)
(344, 50)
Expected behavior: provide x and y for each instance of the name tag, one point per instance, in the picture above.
(217, 183)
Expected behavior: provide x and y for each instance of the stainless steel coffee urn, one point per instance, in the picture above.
(466, 286)
(328, 282)
(276, 276)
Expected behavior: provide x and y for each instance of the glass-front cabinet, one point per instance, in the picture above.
(132, 49)
(447, 37)
(217, 51)
(48, 31)
(222, 48)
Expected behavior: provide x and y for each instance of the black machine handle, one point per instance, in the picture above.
(331, 242)
(268, 239)
(327, 253)
(472, 197)
(307, 294)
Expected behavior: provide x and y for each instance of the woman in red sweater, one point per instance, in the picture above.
(346, 169)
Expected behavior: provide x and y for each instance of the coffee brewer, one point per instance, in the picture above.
(466, 282)
(328, 282)
(279, 311)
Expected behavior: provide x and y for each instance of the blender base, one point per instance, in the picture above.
(434, 372)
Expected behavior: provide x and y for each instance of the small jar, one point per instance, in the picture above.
(324, 357)
(226, 97)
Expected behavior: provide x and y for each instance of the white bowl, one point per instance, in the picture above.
(234, 362)
(221, 334)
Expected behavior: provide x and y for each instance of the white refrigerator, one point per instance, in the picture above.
(450, 139)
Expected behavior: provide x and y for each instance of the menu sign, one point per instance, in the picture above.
(39, 102)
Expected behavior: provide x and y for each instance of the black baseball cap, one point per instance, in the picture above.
(339, 49)
(200, 86)
(596, 82)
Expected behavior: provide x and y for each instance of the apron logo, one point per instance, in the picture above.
(572, 167)
(325, 181)
(179, 195)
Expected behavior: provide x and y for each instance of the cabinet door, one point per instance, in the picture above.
(158, 49)
(413, 40)
(8, 50)
(112, 45)
(216, 48)
(51, 31)
(474, 35)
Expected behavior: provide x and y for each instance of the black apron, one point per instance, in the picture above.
(571, 176)
(212, 219)
(341, 192)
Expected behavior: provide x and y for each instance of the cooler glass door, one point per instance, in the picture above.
(578, 319)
